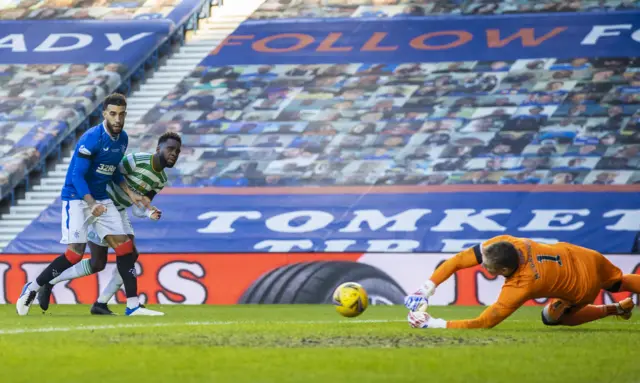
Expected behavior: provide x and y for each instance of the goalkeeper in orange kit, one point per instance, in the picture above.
(571, 275)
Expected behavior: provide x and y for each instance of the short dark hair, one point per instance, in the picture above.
(116, 99)
(169, 136)
(502, 254)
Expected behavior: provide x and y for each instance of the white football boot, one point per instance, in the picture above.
(142, 311)
(26, 299)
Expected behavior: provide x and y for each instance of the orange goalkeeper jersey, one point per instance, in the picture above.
(560, 270)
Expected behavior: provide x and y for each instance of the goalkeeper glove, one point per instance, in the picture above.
(424, 320)
(416, 302)
(428, 289)
(419, 300)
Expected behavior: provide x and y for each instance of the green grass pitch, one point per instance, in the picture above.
(247, 343)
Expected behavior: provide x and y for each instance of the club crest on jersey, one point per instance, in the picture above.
(106, 169)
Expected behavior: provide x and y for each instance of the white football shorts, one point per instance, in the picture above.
(126, 225)
(77, 221)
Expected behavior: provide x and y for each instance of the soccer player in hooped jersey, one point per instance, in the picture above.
(144, 174)
(86, 205)
(572, 276)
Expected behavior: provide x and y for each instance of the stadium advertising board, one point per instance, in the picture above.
(340, 219)
(80, 42)
(258, 278)
(413, 39)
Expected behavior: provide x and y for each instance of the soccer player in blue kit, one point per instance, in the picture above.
(86, 205)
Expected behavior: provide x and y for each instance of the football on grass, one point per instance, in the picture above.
(350, 299)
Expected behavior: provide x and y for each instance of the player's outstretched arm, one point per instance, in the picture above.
(509, 301)
(490, 317)
(468, 258)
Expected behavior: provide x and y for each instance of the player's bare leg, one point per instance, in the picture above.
(100, 307)
(71, 256)
(125, 262)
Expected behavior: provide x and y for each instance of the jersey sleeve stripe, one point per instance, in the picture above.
(478, 254)
(127, 165)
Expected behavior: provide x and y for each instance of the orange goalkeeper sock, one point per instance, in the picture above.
(631, 283)
(589, 314)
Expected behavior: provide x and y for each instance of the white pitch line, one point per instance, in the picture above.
(35, 330)
(152, 325)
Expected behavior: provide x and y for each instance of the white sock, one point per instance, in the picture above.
(34, 286)
(78, 270)
(132, 303)
(112, 287)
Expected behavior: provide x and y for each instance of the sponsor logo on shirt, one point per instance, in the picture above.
(106, 169)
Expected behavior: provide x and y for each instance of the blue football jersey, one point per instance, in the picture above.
(104, 153)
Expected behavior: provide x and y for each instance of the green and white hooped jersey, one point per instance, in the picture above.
(138, 171)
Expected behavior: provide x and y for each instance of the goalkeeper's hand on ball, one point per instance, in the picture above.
(424, 320)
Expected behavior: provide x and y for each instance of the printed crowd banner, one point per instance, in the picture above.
(245, 278)
(411, 39)
(411, 219)
(80, 42)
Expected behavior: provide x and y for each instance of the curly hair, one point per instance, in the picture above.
(169, 136)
